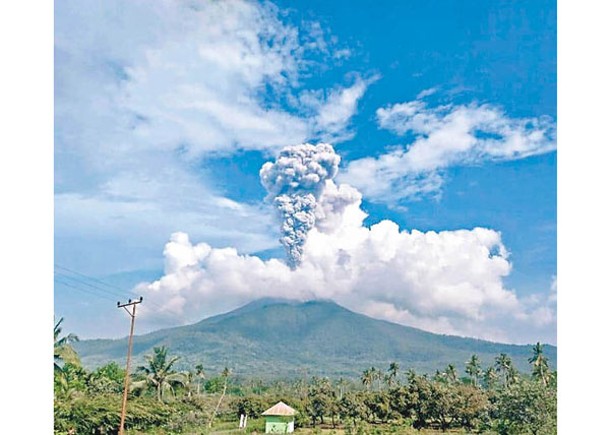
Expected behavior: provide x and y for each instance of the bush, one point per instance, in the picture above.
(101, 414)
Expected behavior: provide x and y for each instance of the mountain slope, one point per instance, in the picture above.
(277, 338)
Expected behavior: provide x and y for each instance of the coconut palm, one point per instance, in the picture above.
(392, 373)
(159, 372)
(451, 373)
(62, 349)
(490, 378)
(200, 374)
(504, 365)
(473, 369)
(368, 377)
(377, 375)
(541, 369)
(342, 385)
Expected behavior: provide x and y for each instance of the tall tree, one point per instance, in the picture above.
(473, 369)
(200, 374)
(505, 367)
(341, 385)
(541, 369)
(368, 377)
(451, 374)
(392, 373)
(159, 373)
(490, 378)
(62, 349)
(377, 375)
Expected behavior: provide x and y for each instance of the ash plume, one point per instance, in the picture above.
(295, 182)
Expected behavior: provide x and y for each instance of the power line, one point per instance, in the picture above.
(97, 280)
(111, 290)
(122, 293)
(93, 286)
(84, 290)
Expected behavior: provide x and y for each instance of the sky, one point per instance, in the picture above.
(397, 158)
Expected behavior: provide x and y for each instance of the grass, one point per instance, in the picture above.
(256, 426)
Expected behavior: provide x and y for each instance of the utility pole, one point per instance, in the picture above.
(132, 314)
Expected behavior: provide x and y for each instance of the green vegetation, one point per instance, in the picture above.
(159, 373)
(62, 348)
(498, 399)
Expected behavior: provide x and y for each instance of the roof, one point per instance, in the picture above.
(280, 409)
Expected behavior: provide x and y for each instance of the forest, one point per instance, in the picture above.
(498, 399)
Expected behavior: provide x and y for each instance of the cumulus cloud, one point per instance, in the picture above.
(444, 136)
(447, 282)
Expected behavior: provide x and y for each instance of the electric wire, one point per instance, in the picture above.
(84, 290)
(94, 286)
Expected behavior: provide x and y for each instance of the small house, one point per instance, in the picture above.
(279, 419)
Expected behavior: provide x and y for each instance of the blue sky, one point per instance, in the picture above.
(165, 115)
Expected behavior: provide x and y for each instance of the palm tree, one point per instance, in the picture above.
(200, 373)
(159, 372)
(189, 382)
(378, 376)
(392, 373)
(473, 369)
(368, 377)
(62, 349)
(504, 365)
(541, 370)
(342, 385)
(490, 378)
(451, 373)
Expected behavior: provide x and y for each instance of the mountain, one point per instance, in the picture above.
(274, 338)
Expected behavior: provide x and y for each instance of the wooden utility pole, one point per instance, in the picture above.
(126, 390)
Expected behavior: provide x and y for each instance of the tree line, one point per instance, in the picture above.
(494, 399)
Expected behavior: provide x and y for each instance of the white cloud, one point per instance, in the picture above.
(543, 306)
(145, 90)
(169, 75)
(447, 282)
(334, 114)
(129, 217)
(553, 290)
(444, 136)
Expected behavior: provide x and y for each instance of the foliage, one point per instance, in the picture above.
(474, 369)
(62, 349)
(252, 406)
(321, 400)
(159, 373)
(498, 399)
(541, 368)
(527, 408)
(70, 380)
(107, 379)
(100, 414)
